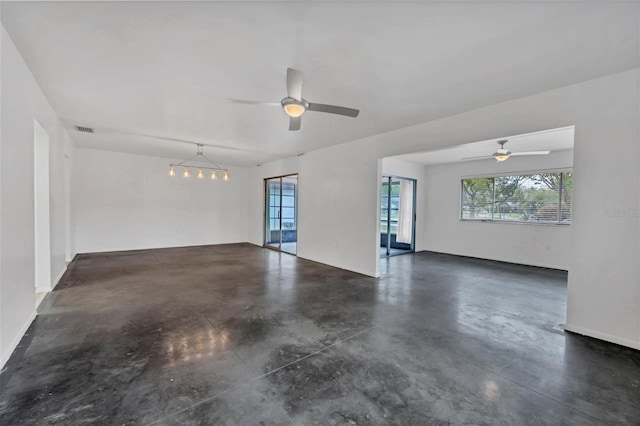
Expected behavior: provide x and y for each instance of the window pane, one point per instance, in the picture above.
(550, 208)
(565, 200)
(395, 189)
(477, 198)
(288, 212)
(510, 198)
(529, 198)
(521, 198)
(288, 201)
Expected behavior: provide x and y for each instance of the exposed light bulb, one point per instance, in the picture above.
(200, 174)
(187, 173)
(226, 175)
(213, 175)
(171, 172)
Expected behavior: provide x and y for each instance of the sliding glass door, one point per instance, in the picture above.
(281, 206)
(273, 211)
(397, 216)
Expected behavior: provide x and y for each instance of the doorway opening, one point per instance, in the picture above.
(397, 216)
(41, 212)
(281, 213)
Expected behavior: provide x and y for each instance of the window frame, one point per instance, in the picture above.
(494, 176)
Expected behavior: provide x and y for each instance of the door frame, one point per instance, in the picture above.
(264, 212)
(414, 218)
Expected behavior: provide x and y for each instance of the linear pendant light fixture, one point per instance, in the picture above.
(214, 168)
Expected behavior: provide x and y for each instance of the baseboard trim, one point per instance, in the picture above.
(508, 262)
(349, 269)
(603, 336)
(16, 341)
(39, 302)
(139, 249)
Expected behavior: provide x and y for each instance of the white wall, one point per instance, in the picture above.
(42, 214)
(23, 102)
(126, 201)
(529, 244)
(604, 276)
(325, 231)
(69, 240)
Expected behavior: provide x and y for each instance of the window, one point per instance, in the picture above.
(534, 198)
(288, 206)
(287, 209)
(395, 203)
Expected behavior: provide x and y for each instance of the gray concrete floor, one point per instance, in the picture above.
(392, 252)
(286, 247)
(236, 334)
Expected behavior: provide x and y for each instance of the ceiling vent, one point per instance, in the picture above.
(84, 129)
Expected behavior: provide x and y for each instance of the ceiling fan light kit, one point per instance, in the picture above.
(186, 173)
(502, 154)
(294, 105)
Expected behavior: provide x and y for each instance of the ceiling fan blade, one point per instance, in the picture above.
(294, 123)
(295, 80)
(530, 153)
(477, 158)
(333, 109)
(243, 101)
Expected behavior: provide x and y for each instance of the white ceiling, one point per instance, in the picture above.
(166, 69)
(549, 140)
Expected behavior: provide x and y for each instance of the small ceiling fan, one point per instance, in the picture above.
(294, 105)
(503, 154)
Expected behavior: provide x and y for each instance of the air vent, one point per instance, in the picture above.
(84, 129)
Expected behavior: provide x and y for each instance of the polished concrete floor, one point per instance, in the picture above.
(392, 252)
(285, 247)
(241, 335)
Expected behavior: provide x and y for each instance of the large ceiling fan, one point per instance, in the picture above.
(295, 105)
(503, 154)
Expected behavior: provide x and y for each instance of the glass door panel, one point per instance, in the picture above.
(397, 216)
(281, 218)
(289, 214)
(384, 217)
(273, 213)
